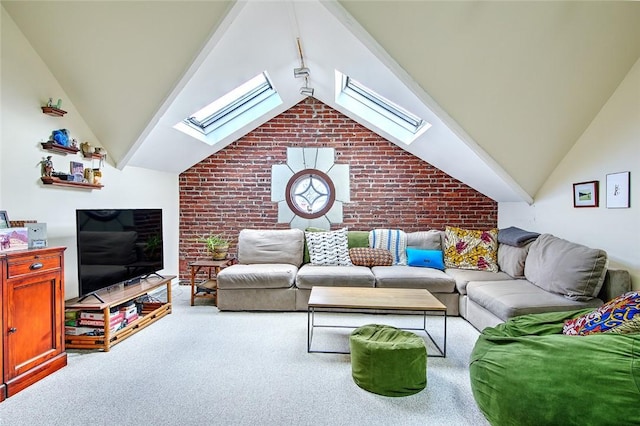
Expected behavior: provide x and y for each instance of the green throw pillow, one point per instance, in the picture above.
(358, 239)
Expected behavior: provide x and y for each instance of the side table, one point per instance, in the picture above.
(209, 287)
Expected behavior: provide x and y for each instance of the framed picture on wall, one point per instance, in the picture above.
(618, 190)
(585, 194)
(4, 219)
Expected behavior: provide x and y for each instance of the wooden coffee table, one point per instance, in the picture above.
(366, 299)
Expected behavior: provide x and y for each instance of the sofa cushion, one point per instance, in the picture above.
(428, 240)
(274, 275)
(334, 276)
(425, 258)
(471, 249)
(511, 259)
(328, 248)
(565, 268)
(366, 256)
(400, 276)
(620, 315)
(509, 298)
(394, 240)
(464, 276)
(270, 246)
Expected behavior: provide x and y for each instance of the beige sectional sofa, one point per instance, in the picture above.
(544, 275)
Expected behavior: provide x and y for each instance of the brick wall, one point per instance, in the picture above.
(390, 188)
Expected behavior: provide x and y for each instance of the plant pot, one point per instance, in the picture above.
(220, 252)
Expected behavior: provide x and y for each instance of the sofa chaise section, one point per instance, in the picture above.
(558, 275)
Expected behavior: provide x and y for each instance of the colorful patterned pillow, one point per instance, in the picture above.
(328, 248)
(365, 256)
(469, 249)
(394, 240)
(620, 315)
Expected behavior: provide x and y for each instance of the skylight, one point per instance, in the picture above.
(232, 111)
(379, 111)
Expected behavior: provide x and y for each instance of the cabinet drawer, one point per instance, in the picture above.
(31, 264)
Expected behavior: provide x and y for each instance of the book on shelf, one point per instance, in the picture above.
(97, 315)
(129, 310)
(79, 331)
(114, 319)
(92, 331)
(132, 318)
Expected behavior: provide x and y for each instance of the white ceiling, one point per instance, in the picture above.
(508, 86)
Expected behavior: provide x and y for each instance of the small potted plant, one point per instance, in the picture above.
(217, 245)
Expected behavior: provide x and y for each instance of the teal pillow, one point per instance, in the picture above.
(425, 258)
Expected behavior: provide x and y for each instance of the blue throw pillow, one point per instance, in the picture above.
(425, 258)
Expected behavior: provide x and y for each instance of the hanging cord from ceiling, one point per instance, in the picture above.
(303, 71)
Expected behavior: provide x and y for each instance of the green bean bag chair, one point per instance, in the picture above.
(526, 372)
(388, 361)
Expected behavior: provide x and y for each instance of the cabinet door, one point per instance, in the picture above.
(32, 322)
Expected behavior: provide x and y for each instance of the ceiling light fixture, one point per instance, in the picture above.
(303, 72)
(306, 91)
(300, 72)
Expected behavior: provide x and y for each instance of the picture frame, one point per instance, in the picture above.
(618, 190)
(4, 220)
(76, 168)
(585, 194)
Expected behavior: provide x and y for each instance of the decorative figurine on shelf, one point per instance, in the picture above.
(74, 143)
(50, 103)
(61, 137)
(86, 148)
(59, 104)
(88, 175)
(46, 166)
(97, 176)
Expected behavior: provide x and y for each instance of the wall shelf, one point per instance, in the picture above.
(60, 149)
(47, 180)
(53, 111)
(92, 155)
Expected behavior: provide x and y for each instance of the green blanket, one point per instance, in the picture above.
(526, 372)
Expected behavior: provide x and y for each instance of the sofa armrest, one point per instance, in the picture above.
(616, 282)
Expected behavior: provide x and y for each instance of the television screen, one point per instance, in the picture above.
(117, 246)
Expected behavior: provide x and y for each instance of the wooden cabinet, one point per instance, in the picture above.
(32, 316)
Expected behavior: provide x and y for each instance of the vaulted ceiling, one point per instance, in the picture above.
(508, 86)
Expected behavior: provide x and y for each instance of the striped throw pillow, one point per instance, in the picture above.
(394, 240)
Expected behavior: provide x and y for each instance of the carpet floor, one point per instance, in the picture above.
(199, 366)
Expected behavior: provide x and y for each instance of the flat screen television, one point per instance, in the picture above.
(117, 246)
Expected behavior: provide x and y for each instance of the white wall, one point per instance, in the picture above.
(26, 85)
(610, 144)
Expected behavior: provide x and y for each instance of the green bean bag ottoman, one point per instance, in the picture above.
(388, 361)
(527, 372)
